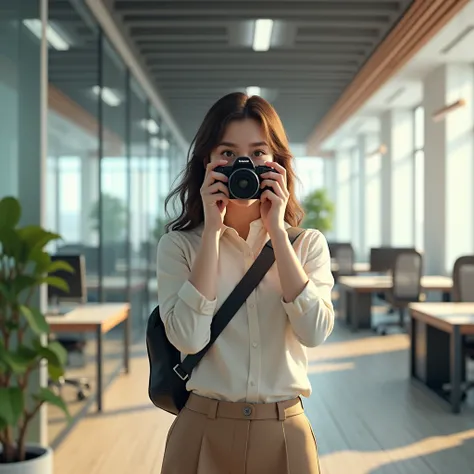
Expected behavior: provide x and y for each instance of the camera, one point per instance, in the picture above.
(244, 178)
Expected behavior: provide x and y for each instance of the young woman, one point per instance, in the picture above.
(244, 414)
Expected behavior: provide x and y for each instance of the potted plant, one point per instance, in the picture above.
(24, 342)
(319, 211)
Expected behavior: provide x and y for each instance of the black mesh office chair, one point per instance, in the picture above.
(463, 291)
(344, 257)
(406, 288)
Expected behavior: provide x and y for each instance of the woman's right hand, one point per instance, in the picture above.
(215, 197)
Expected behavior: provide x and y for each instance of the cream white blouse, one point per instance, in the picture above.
(261, 356)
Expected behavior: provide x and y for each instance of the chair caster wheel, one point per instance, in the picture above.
(81, 395)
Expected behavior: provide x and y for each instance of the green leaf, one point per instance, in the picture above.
(10, 212)
(16, 361)
(5, 291)
(54, 353)
(35, 319)
(56, 282)
(42, 260)
(46, 395)
(21, 283)
(11, 244)
(11, 405)
(59, 265)
(55, 373)
(36, 237)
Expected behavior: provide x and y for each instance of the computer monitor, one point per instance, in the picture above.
(76, 281)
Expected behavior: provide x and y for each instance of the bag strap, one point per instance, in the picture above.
(234, 301)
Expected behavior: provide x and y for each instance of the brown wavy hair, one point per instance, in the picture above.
(235, 106)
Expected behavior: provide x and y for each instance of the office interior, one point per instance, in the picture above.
(100, 100)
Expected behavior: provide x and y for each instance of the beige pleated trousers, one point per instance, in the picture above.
(215, 437)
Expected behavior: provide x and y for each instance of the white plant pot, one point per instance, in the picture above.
(42, 463)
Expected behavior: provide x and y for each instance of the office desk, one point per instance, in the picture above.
(436, 355)
(355, 293)
(99, 319)
(358, 267)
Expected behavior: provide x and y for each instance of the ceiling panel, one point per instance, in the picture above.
(197, 51)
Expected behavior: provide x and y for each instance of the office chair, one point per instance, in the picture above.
(463, 292)
(406, 287)
(344, 257)
(78, 295)
(82, 385)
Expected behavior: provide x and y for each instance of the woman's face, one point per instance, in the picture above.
(243, 138)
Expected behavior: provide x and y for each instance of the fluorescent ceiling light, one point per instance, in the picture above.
(262, 35)
(108, 96)
(52, 36)
(150, 125)
(253, 90)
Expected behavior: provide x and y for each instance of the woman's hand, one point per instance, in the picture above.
(215, 197)
(273, 202)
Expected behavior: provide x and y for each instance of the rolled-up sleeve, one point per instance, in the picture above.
(186, 313)
(311, 313)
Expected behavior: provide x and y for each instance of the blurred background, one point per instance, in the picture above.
(99, 102)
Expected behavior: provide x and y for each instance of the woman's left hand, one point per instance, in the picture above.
(273, 202)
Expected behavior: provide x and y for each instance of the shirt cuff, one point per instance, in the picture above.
(196, 301)
(303, 302)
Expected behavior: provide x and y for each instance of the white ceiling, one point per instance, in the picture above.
(453, 44)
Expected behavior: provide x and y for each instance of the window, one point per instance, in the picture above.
(419, 176)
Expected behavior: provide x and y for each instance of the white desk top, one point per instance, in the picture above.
(384, 282)
(116, 282)
(456, 314)
(90, 314)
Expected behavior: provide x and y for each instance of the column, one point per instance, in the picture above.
(330, 183)
(435, 172)
(360, 198)
(386, 179)
(402, 177)
(344, 219)
(459, 164)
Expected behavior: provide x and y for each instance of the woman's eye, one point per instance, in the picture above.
(228, 154)
(259, 153)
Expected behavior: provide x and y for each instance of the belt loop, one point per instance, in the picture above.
(212, 411)
(281, 412)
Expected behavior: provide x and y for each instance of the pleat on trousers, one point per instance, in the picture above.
(216, 437)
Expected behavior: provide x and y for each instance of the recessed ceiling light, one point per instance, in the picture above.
(262, 35)
(150, 125)
(52, 36)
(253, 90)
(109, 96)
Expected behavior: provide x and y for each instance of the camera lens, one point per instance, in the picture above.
(243, 184)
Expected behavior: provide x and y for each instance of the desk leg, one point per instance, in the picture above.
(100, 360)
(126, 343)
(446, 296)
(361, 310)
(456, 369)
(413, 347)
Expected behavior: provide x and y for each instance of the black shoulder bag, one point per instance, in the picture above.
(168, 375)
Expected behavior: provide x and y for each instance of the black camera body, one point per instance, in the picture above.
(244, 178)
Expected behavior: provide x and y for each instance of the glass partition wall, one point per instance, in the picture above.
(110, 164)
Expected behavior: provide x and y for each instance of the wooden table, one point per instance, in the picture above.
(355, 294)
(98, 318)
(437, 346)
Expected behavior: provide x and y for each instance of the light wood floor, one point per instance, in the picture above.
(368, 418)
